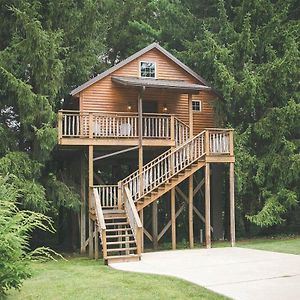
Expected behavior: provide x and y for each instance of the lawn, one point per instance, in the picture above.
(81, 278)
(278, 244)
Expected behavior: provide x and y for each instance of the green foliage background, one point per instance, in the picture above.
(248, 50)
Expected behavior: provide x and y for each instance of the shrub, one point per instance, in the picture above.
(15, 229)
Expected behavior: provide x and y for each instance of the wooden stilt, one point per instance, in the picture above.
(141, 212)
(96, 241)
(232, 204)
(91, 171)
(91, 239)
(173, 218)
(191, 221)
(207, 206)
(154, 225)
(83, 205)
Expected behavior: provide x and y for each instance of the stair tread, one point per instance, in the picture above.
(121, 249)
(119, 235)
(118, 229)
(122, 256)
(117, 223)
(113, 211)
(120, 242)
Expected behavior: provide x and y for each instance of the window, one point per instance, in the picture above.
(147, 69)
(197, 106)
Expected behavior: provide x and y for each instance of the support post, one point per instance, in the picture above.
(140, 121)
(191, 119)
(154, 225)
(191, 220)
(232, 205)
(83, 205)
(207, 206)
(173, 218)
(91, 206)
(142, 234)
(172, 128)
(96, 241)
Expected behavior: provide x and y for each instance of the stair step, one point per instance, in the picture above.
(121, 249)
(119, 235)
(117, 223)
(112, 217)
(113, 211)
(120, 242)
(122, 258)
(118, 229)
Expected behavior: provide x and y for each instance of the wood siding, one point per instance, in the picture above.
(105, 95)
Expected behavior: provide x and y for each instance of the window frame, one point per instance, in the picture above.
(200, 106)
(140, 69)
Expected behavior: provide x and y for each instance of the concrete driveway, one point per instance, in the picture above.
(238, 273)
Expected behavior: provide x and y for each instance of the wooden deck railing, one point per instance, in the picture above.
(171, 162)
(100, 221)
(108, 195)
(133, 218)
(75, 124)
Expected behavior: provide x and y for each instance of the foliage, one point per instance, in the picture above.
(16, 227)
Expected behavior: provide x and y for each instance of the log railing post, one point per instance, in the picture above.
(231, 142)
(172, 125)
(59, 125)
(91, 123)
(207, 147)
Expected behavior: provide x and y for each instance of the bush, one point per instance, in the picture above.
(15, 229)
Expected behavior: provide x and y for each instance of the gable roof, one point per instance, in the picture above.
(133, 57)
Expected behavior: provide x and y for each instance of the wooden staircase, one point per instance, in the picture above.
(121, 230)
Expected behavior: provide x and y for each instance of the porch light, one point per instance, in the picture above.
(129, 107)
(165, 108)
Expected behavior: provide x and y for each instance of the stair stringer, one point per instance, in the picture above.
(188, 171)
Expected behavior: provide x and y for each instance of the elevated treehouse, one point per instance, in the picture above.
(158, 115)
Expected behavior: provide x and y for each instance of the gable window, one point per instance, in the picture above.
(147, 69)
(197, 105)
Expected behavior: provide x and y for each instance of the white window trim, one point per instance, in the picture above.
(147, 61)
(200, 106)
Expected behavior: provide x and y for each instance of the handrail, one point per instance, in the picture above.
(100, 221)
(171, 162)
(134, 219)
(108, 195)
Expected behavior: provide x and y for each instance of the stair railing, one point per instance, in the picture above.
(182, 131)
(134, 219)
(164, 167)
(100, 221)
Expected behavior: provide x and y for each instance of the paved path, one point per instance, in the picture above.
(238, 273)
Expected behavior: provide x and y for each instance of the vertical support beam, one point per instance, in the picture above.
(141, 212)
(207, 142)
(91, 240)
(140, 121)
(173, 218)
(91, 127)
(83, 205)
(191, 120)
(232, 205)
(91, 174)
(191, 220)
(207, 206)
(96, 241)
(231, 142)
(154, 225)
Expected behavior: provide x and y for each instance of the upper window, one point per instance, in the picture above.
(147, 69)
(197, 105)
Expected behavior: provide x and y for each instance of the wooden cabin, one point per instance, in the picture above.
(146, 127)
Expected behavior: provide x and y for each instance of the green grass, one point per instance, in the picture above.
(81, 278)
(278, 244)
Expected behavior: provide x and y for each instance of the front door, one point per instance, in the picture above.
(150, 107)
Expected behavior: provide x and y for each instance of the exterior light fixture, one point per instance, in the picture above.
(129, 107)
(165, 108)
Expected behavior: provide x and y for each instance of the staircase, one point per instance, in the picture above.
(121, 230)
